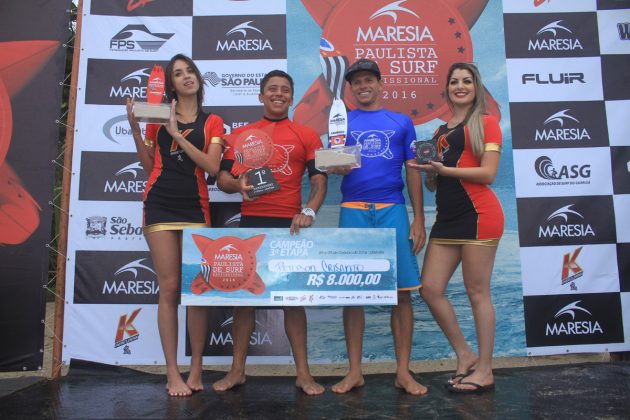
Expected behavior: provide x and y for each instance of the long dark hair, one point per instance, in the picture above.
(170, 92)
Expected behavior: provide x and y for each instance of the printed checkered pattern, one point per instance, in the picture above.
(567, 63)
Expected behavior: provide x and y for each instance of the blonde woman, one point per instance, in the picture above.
(468, 226)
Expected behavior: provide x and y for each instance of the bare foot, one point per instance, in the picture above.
(405, 381)
(309, 386)
(482, 379)
(194, 381)
(177, 388)
(348, 383)
(229, 381)
(465, 364)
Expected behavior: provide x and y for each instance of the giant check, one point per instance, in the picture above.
(271, 267)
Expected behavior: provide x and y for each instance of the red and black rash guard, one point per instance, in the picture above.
(294, 148)
(466, 211)
(176, 195)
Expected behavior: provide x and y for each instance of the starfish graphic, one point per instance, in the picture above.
(21, 61)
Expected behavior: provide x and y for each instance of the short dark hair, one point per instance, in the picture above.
(168, 86)
(276, 73)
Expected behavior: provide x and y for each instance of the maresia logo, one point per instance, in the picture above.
(239, 37)
(559, 125)
(267, 339)
(414, 43)
(115, 277)
(111, 177)
(111, 82)
(126, 331)
(142, 7)
(573, 319)
(566, 220)
(550, 35)
(138, 38)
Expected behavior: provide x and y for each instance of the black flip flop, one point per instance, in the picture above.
(477, 389)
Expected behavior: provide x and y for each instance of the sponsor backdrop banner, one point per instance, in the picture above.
(569, 127)
(566, 60)
(110, 274)
(31, 69)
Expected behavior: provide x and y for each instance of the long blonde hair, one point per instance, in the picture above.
(473, 119)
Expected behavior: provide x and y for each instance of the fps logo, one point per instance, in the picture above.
(138, 38)
(126, 331)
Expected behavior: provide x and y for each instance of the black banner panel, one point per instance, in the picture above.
(31, 69)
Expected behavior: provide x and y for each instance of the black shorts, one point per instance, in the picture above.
(265, 222)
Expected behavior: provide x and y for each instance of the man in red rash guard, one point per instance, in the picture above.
(294, 153)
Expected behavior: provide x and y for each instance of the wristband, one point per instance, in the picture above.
(307, 211)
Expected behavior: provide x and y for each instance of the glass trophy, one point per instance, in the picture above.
(153, 110)
(426, 151)
(254, 151)
(338, 154)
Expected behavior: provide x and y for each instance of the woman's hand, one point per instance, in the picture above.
(431, 168)
(171, 126)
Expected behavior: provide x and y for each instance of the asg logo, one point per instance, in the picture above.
(572, 173)
(553, 78)
(252, 39)
(560, 132)
(120, 228)
(258, 338)
(565, 229)
(138, 38)
(117, 129)
(134, 278)
(127, 329)
(573, 327)
(139, 79)
(550, 38)
(126, 185)
(571, 270)
(624, 30)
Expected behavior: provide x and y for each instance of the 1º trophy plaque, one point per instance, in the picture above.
(153, 111)
(253, 149)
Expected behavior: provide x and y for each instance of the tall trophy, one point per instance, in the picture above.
(337, 153)
(153, 110)
(254, 152)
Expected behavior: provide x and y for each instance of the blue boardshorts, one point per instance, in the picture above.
(384, 215)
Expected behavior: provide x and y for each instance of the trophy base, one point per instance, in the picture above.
(347, 156)
(152, 113)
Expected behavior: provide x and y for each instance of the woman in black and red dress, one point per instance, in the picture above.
(468, 226)
(176, 156)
